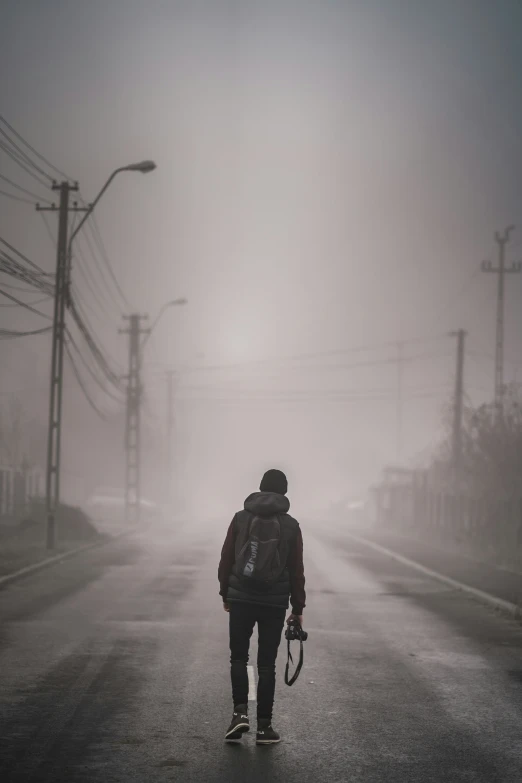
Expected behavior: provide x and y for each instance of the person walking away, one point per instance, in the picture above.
(260, 572)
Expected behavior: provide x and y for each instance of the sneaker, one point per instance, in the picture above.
(239, 724)
(266, 735)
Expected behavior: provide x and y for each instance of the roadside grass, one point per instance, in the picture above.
(24, 544)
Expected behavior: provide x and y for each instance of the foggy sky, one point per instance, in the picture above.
(330, 175)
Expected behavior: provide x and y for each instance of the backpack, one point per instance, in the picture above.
(258, 563)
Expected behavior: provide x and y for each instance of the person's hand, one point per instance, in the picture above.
(226, 607)
(295, 617)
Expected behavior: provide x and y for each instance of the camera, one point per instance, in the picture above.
(294, 631)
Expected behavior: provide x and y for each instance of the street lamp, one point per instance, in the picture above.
(62, 300)
(173, 303)
(145, 167)
(133, 414)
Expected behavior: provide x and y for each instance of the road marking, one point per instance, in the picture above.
(499, 603)
(35, 567)
(251, 684)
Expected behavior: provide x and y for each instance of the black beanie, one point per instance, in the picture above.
(274, 481)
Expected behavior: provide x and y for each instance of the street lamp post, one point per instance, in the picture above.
(61, 301)
(133, 410)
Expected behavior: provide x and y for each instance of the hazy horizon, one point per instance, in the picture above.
(329, 178)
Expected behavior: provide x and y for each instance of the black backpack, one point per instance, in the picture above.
(258, 562)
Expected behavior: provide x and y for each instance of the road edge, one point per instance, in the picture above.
(48, 562)
(492, 600)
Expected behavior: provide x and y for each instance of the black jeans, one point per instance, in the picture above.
(270, 622)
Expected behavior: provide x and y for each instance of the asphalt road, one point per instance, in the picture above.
(114, 667)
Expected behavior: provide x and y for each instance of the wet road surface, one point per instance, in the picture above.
(114, 667)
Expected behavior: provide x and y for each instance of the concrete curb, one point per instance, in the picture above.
(32, 569)
(497, 603)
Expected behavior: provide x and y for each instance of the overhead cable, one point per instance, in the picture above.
(33, 150)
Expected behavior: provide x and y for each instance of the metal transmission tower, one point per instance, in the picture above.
(52, 487)
(458, 404)
(399, 403)
(170, 431)
(132, 419)
(501, 240)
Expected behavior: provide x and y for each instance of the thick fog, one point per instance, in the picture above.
(329, 178)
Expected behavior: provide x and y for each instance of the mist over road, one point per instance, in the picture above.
(114, 667)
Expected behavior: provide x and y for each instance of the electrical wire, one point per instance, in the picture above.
(92, 330)
(23, 190)
(18, 253)
(20, 162)
(17, 288)
(112, 376)
(8, 333)
(89, 369)
(48, 228)
(93, 226)
(101, 297)
(15, 198)
(35, 152)
(33, 304)
(82, 386)
(371, 363)
(100, 266)
(24, 304)
(14, 268)
(26, 157)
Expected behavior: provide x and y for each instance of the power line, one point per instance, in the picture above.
(18, 253)
(23, 190)
(101, 247)
(35, 152)
(82, 386)
(371, 363)
(15, 198)
(26, 157)
(17, 288)
(101, 293)
(48, 227)
(20, 162)
(13, 268)
(91, 280)
(100, 266)
(93, 331)
(336, 352)
(89, 369)
(39, 301)
(95, 350)
(8, 333)
(24, 304)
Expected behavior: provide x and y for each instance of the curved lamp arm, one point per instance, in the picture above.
(145, 166)
(173, 303)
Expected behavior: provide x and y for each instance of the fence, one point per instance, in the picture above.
(481, 525)
(17, 487)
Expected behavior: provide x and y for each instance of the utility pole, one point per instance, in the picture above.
(398, 432)
(133, 420)
(52, 491)
(170, 430)
(458, 404)
(500, 270)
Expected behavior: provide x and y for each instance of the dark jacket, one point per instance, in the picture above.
(290, 585)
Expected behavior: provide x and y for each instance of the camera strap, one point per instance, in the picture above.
(299, 665)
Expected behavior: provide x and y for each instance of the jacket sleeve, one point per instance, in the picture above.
(228, 556)
(297, 577)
